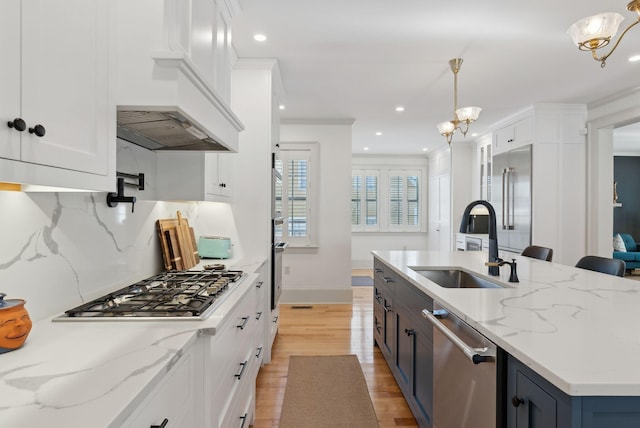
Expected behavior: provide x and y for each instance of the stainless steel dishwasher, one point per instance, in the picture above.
(464, 373)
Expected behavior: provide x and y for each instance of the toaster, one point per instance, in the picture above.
(214, 247)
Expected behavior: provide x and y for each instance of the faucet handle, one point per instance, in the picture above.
(492, 264)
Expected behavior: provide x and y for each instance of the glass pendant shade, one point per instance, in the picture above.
(468, 114)
(599, 27)
(445, 128)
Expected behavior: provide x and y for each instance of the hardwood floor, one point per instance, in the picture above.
(330, 330)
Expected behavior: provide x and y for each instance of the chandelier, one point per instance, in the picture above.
(462, 117)
(596, 31)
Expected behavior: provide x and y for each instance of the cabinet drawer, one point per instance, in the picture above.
(384, 276)
(173, 399)
(240, 413)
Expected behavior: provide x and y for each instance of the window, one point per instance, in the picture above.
(404, 200)
(295, 199)
(364, 200)
(386, 199)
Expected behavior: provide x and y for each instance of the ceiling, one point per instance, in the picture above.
(359, 59)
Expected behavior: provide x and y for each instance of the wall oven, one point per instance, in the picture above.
(277, 230)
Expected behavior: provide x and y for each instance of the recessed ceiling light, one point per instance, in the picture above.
(378, 133)
(634, 58)
(399, 108)
(424, 149)
(260, 38)
(282, 107)
(475, 134)
(366, 148)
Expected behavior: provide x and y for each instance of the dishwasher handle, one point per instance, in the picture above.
(476, 355)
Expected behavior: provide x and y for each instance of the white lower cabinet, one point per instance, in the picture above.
(212, 382)
(230, 367)
(177, 399)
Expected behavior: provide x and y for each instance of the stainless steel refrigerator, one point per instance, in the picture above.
(511, 198)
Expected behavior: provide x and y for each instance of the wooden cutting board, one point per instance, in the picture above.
(177, 243)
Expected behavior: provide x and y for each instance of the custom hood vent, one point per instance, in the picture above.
(164, 130)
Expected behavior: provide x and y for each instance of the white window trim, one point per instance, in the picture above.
(383, 194)
(313, 179)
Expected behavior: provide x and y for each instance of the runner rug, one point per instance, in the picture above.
(326, 391)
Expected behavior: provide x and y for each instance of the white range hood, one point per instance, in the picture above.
(174, 67)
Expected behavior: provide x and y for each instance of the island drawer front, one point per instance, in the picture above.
(414, 301)
(384, 276)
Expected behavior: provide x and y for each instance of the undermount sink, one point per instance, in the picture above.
(456, 278)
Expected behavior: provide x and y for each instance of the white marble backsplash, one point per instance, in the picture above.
(61, 249)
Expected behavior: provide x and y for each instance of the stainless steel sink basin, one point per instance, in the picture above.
(455, 278)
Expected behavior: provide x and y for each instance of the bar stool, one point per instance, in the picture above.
(602, 264)
(536, 252)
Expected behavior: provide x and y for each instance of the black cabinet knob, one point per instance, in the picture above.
(516, 401)
(38, 130)
(18, 124)
(408, 331)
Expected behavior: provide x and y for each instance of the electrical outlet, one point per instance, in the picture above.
(287, 270)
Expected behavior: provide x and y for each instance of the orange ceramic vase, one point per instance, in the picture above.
(15, 324)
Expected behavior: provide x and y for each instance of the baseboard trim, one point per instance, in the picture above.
(309, 296)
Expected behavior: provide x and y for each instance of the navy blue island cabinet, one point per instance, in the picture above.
(533, 402)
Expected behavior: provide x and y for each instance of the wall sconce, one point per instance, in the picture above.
(464, 115)
(596, 31)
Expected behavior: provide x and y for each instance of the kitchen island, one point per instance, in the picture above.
(572, 330)
(123, 373)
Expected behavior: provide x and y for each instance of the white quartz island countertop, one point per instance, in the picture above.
(577, 328)
(95, 373)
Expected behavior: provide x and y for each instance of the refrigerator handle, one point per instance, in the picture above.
(505, 209)
(511, 205)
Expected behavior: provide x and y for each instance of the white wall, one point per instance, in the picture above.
(362, 243)
(323, 274)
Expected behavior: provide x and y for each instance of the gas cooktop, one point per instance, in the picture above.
(170, 295)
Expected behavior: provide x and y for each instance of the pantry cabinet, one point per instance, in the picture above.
(59, 117)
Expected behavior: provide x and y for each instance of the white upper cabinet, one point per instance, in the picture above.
(176, 55)
(56, 94)
(195, 176)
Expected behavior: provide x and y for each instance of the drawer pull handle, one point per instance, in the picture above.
(259, 284)
(275, 319)
(242, 367)
(408, 332)
(242, 325)
(244, 419)
(162, 425)
(387, 308)
(259, 352)
(387, 280)
(258, 315)
(378, 270)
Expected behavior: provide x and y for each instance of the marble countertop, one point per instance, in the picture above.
(577, 328)
(95, 373)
